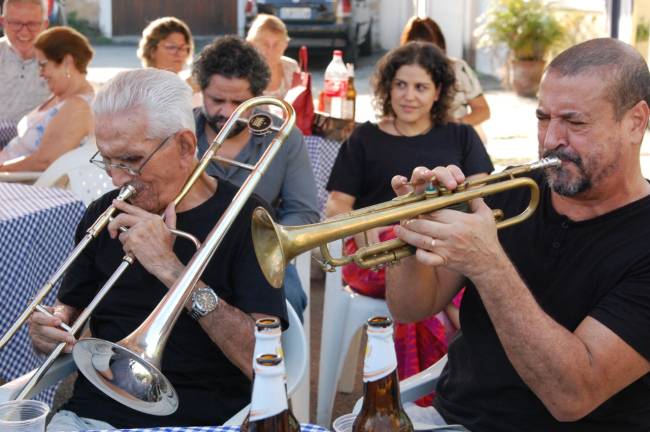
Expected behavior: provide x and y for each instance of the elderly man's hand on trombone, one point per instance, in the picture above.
(45, 330)
(464, 242)
(149, 239)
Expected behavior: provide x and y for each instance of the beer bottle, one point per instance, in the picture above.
(269, 410)
(382, 408)
(268, 339)
(350, 95)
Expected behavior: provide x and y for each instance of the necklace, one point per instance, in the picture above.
(428, 128)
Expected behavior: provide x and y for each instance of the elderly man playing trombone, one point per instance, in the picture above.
(556, 316)
(146, 139)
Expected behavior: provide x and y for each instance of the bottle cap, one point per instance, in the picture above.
(380, 321)
(267, 323)
(338, 53)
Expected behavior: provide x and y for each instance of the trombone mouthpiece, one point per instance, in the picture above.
(546, 163)
(126, 192)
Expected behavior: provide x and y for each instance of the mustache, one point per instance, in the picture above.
(565, 156)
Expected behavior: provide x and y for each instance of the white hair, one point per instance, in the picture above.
(165, 99)
(40, 3)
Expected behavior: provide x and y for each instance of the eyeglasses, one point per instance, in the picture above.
(98, 161)
(175, 49)
(32, 26)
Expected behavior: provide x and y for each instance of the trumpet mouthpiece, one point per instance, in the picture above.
(546, 163)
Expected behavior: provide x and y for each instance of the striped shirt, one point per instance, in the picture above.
(21, 88)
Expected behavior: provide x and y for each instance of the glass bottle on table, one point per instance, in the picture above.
(349, 104)
(268, 340)
(382, 409)
(269, 409)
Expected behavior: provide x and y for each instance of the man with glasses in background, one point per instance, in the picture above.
(21, 87)
(145, 135)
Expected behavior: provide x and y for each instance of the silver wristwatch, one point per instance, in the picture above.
(204, 301)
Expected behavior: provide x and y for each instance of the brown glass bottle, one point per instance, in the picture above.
(382, 409)
(269, 410)
(349, 104)
(268, 339)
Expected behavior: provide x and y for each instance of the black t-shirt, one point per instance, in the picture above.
(370, 158)
(599, 268)
(210, 388)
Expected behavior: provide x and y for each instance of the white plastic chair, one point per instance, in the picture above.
(86, 181)
(72, 171)
(293, 342)
(300, 398)
(414, 387)
(344, 315)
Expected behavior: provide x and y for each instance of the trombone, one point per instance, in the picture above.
(129, 371)
(276, 245)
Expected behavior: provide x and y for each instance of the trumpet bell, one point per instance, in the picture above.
(269, 251)
(125, 377)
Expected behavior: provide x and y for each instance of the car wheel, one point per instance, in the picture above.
(366, 46)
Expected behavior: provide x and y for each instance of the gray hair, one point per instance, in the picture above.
(165, 99)
(40, 3)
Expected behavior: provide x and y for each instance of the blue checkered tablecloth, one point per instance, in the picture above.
(303, 428)
(322, 154)
(36, 234)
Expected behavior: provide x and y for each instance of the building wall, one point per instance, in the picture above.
(85, 9)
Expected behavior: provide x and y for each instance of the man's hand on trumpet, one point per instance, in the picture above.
(464, 242)
(149, 239)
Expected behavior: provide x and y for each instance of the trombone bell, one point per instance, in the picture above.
(125, 376)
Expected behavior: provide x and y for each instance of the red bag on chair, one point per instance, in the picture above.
(300, 97)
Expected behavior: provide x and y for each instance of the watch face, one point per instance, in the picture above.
(206, 300)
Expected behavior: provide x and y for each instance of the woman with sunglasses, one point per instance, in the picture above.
(65, 120)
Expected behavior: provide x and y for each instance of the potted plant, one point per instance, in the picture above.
(529, 29)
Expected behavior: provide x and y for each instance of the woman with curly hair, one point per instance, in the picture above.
(413, 89)
(469, 105)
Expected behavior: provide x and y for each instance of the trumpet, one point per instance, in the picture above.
(129, 371)
(276, 245)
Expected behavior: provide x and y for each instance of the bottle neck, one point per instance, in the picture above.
(277, 423)
(382, 395)
(269, 394)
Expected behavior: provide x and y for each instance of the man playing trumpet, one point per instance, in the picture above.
(146, 138)
(555, 322)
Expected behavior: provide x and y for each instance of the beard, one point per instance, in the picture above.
(565, 181)
(217, 122)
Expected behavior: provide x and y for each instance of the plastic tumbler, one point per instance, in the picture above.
(23, 416)
(344, 423)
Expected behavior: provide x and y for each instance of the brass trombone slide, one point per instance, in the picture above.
(129, 371)
(91, 233)
(276, 245)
